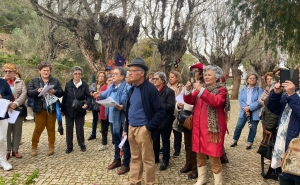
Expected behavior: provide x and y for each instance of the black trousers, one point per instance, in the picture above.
(79, 122)
(177, 141)
(104, 131)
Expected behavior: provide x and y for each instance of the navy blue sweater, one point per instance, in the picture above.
(152, 105)
(276, 105)
(5, 93)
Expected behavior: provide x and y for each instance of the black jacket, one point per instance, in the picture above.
(82, 94)
(152, 105)
(167, 96)
(6, 93)
(39, 102)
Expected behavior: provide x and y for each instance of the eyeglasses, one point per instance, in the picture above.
(79, 74)
(115, 74)
(9, 72)
(132, 70)
(155, 79)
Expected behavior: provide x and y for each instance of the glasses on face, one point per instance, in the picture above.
(155, 79)
(133, 70)
(79, 74)
(115, 74)
(9, 72)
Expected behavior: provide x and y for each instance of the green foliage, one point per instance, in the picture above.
(13, 14)
(15, 179)
(278, 19)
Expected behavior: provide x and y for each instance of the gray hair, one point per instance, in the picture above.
(216, 69)
(162, 76)
(77, 68)
(123, 72)
(250, 74)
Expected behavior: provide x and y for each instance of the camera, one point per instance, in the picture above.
(291, 75)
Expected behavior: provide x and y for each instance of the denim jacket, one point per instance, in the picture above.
(254, 106)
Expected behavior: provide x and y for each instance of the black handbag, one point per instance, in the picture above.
(267, 145)
(76, 104)
(95, 105)
(23, 110)
(183, 115)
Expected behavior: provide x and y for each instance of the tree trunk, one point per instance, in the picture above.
(117, 36)
(171, 50)
(85, 40)
(236, 82)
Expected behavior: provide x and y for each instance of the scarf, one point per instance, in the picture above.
(212, 119)
(279, 147)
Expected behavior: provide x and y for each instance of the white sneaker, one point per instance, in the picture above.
(103, 147)
(5, 165)
(29, 118)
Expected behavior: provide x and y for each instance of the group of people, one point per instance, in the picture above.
(277, 106)
(146, 113)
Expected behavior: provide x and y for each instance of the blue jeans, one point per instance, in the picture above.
(95, 122)
(117, 137)
(239, 127)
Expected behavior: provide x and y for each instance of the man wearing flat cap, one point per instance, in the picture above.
(144, 114)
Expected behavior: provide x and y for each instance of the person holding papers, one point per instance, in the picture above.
(45, 116)
(75, 89)
(175, 84)
(18, 88)
(5, 93)
(118, 91)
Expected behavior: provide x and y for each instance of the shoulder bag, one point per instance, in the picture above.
(291, 159)
(23, 110)
(267, 145)
(76, 104)
(188, 123)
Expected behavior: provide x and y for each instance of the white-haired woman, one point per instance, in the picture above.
(211, 105)
(79, 90)
(249, 110)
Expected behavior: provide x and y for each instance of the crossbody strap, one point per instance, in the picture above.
(74, 93)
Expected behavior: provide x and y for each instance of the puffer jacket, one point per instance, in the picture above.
(39, 102)
(167, 96)
(20, 92)
(82, 93)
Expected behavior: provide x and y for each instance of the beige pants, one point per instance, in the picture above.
(44, 120)
(215, 162)
(142, 155)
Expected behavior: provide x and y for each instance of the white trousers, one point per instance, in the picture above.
(3, 138)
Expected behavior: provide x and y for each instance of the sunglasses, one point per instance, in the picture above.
(155, 79)
(79, 74)
(9, 72)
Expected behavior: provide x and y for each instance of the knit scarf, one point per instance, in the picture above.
(213, 122)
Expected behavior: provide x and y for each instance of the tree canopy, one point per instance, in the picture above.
(279, 19)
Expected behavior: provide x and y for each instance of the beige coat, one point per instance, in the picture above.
(20, 92)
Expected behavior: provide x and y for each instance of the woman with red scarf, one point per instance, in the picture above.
(168, 98)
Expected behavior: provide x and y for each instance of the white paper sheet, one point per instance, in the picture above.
(3, 108)
(179, 98)
(46, 89)
(108, 102)
(13, 116)
(122, 142)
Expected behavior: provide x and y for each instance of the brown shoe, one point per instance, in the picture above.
(114, 164)
(123, 170)
(33, 152)
(185, 169)
(17, 155)
(193, 175)
(50, 151)
(7, 156)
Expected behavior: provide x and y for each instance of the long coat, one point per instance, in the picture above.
(200, 135)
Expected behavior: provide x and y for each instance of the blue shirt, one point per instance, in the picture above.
(249, 95)
(136, 113)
